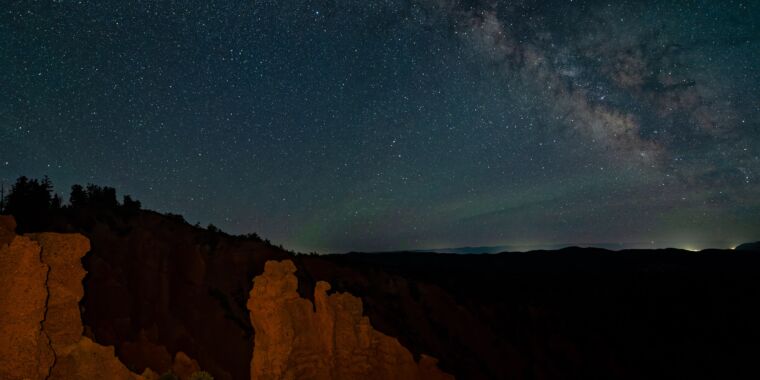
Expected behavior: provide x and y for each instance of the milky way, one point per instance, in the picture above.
(379, 125)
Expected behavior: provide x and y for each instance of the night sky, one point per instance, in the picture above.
(400, 124)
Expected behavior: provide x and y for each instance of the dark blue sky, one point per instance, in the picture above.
(377, 125)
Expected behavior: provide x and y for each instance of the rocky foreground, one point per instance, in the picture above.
(40, 289)
(43, 337)
(167, 295)
(327, 339)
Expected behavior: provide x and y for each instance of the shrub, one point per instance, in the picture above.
(168, 375)
(201, 375)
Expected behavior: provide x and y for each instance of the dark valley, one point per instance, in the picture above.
(157, 286)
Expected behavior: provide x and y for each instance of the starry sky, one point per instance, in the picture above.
(330, 125)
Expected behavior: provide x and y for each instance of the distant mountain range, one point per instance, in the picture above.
(551, 247)
(517, 248)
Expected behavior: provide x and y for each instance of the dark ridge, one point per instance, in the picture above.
(754, 247)
(157, 283)
(574, 313)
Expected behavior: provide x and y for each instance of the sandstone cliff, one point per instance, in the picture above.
(40, 288)
(296, 340)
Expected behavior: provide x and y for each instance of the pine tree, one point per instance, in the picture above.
(78, 196)
(2, 197)
(55, 202)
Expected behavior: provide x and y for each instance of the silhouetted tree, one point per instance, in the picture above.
(131, 205)
(55, 202)
(78, 197)
(2, 198)
(101, 197)
(29, 195)
(176, 217)
(94, 196)
(29, 201)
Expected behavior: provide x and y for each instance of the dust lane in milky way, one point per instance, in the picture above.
(385, 125)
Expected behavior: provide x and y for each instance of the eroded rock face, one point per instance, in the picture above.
(25, 350)
(335, 341)
(40, 288)
(62, 253)
(89, 360)
(7, 229)
(184, 366)
(158, 286)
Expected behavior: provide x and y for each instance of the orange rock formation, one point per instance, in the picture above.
(40, 288)
(335, 341)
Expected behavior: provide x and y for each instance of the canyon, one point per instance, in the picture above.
(43, 337)
(160, 290)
